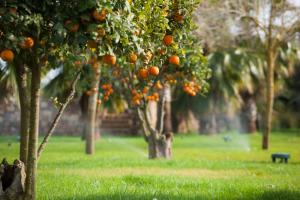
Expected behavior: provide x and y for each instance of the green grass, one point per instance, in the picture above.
(203, 168)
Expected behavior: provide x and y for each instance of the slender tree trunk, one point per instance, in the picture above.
(91, 118)
(161, 146)
(248, 115)
(84, 102)
(30, 186)
(271, 58)
(167, 110)
(21, 78)
(152, 148)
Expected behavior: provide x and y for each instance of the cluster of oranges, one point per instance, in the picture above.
(108, 91)
(170, 79)
(136, 97)
(8, 55)
(73, 26)
(153, 97)
(191, 88)
(145, 72)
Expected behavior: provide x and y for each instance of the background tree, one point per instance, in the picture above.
(272, 29)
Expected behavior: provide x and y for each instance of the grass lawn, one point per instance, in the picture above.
(203, 168)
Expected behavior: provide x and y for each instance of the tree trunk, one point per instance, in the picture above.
(91, 118)
(21, 79)
(167, 110)
(12, 180)
(248, 115)
(84, 102)
(269, 98)
(160, 147)
(30, 192)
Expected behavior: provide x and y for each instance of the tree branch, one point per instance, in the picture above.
(162, 114)
(146, 117)
(58, 115)
(144, 125)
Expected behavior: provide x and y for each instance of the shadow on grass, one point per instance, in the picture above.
(267, 195)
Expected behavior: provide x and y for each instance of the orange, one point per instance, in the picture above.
(168, 40)
(143, 73)
(132, 58)
(99, 101)
(106, 98)
(174, 60)
(109, 59)
(154, 71)
(145, 90)
(99, 16)
(7, 55)
(27, 43)
(158, 85)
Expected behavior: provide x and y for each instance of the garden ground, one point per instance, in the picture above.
(203, 167)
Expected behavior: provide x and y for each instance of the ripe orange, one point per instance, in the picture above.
(174, 60)
(132, 58)
(106, 98)
(145, 90)
(109, 59)
(7, 55)
(99, 101)
(134, 92)
(99, 16)
(168, 40)
(154, 71)
(158, 85)
(143, 73)
(27, 43)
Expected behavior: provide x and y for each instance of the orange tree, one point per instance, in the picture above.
(160, 53)
(36, 36)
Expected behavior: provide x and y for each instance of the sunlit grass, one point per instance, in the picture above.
(202, 168)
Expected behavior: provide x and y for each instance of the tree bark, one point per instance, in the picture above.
(91, 118)
(248, 115)
(167, 109)
(84, 102)
(21, 79)
(30, 187)
(159, 145)
(271, 58)
(12, 180)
